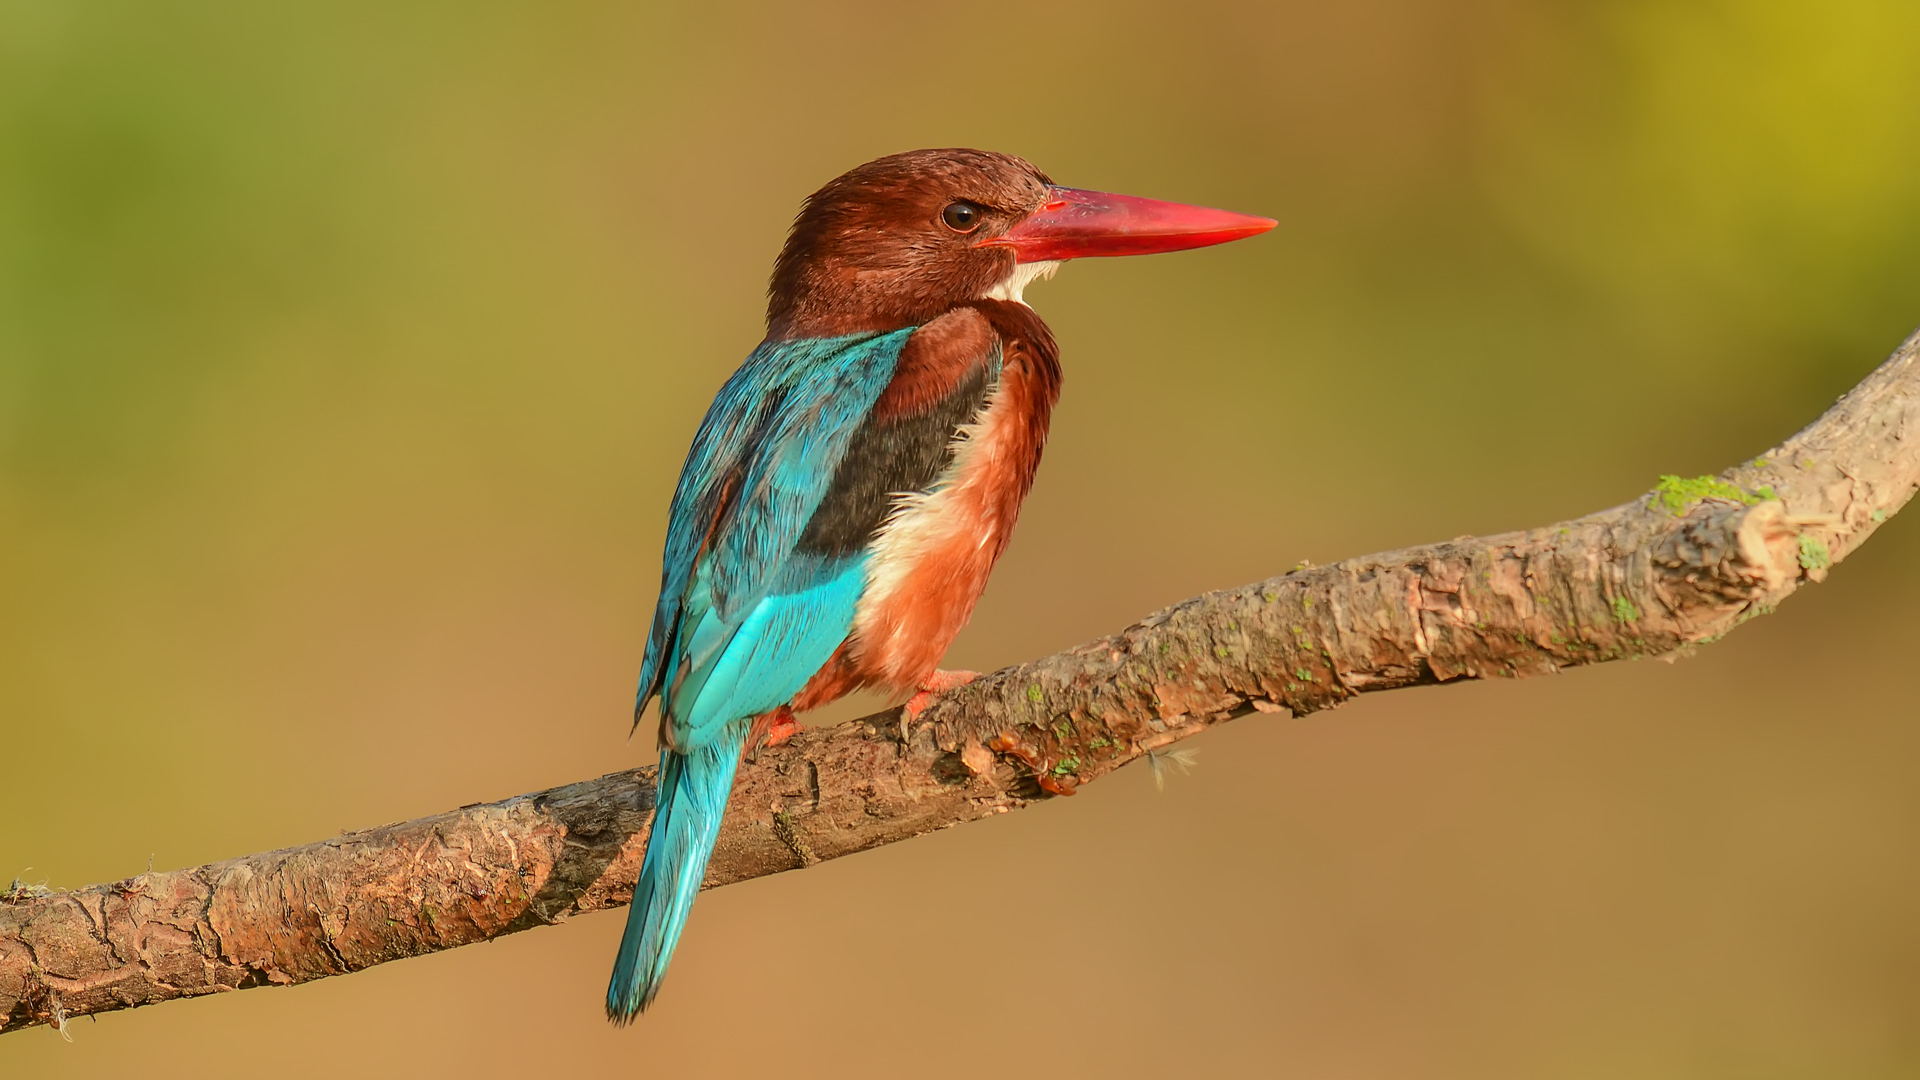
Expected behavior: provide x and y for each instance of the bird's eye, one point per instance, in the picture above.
(962, 216)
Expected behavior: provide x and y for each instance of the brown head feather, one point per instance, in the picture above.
(869, 251)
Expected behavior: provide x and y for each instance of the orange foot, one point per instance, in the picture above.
(938, 683)
(781, 726)
(769, 729)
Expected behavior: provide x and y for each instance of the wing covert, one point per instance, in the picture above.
(762, 460)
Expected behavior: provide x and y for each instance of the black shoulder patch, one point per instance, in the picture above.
(887, 457)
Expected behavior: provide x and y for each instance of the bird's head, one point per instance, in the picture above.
(901, 239)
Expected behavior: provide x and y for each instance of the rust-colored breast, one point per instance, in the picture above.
(931, 561)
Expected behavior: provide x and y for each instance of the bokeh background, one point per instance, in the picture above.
(348, 353)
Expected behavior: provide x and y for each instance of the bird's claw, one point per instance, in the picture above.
(781, 728)
(938, 683)
(770, 729)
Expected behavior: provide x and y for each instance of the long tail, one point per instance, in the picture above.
(692, 798)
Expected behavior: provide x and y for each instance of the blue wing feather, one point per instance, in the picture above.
(787, 636)
(776, 432)
(744, 620)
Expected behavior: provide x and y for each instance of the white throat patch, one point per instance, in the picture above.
(1022, 276)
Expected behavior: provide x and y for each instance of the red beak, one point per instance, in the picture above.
(1078, 224)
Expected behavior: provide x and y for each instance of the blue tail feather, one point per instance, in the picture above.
(691, 799)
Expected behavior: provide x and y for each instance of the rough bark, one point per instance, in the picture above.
(1654, 577)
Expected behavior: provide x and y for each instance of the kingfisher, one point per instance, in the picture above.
(855, 480)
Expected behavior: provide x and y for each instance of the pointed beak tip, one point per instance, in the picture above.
(1246, 225)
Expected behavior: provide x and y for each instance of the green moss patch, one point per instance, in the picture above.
(1676, 494)
(1814, 554)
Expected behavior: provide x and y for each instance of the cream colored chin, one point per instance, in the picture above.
(1023, 275)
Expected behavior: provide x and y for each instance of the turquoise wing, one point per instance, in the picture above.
(745, 619)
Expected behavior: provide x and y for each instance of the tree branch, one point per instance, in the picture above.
(1654, 577)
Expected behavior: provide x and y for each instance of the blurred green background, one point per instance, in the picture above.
(348, 353)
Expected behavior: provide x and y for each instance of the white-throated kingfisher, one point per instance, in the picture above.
(855, 480)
